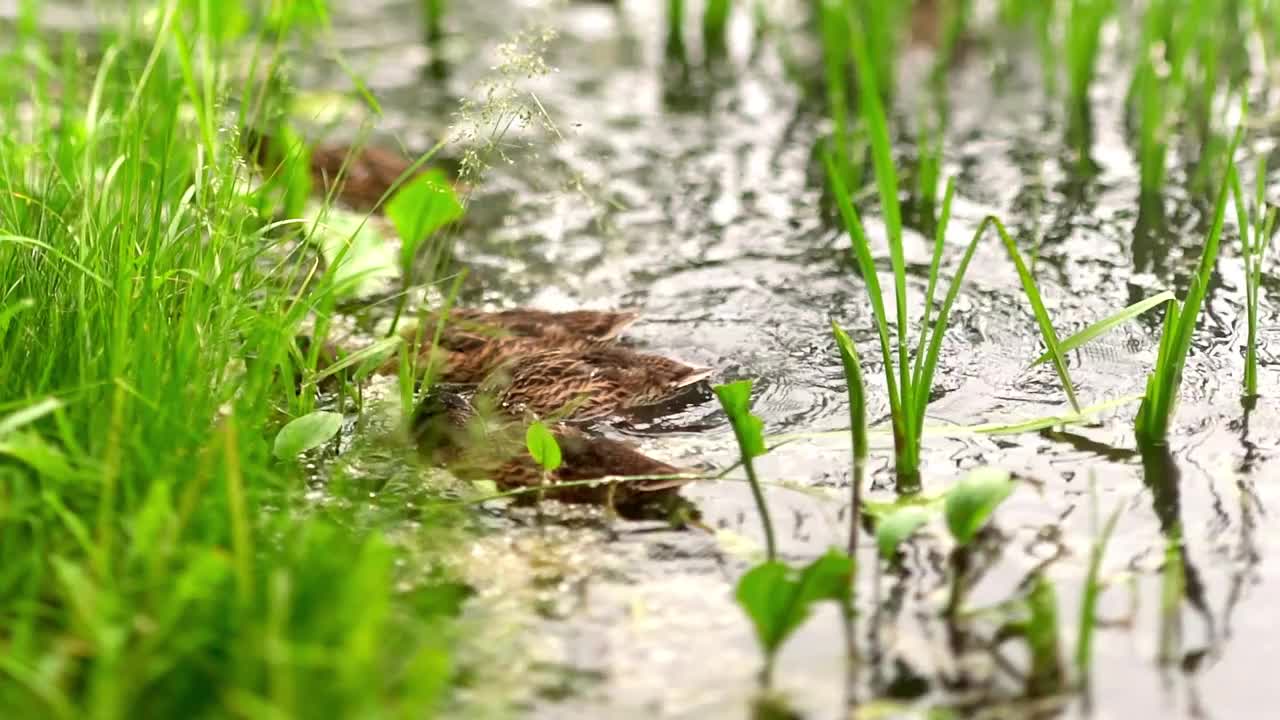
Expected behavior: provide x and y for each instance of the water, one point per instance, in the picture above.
(699, 204)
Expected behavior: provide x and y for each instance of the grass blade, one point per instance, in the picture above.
(1107, 324)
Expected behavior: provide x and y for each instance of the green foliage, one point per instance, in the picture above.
(1160, 399)
(1257, 227)
(421, 207)
(894, 528)
(748, 429)
(972, 501)
(778, 598)
(155, 557)
(542, 446)
(857, 426)
(305, 433)
(1107, 324)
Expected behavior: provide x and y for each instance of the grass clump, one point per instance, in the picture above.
(1161, 396)
(1256, 225)
(909, 375)
(156, 559)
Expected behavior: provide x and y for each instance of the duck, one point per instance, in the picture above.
(588, 383)
(359, 177)
(450, 431)
(475, 342)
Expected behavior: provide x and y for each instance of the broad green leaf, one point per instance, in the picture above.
(309, 431)
(972, 500)
(1107, 324)
(894, 529)
(421, 207)
(543, 446)
(778, 598)
(364, 260)
(735, 398)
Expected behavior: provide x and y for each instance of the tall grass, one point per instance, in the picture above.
(155, 559)
(1256, 225)
(909, 375)
(1161, 396)
(1082, 44)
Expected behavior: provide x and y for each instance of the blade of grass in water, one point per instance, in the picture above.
(1152, 424)
(857, 425)
(1107, 324)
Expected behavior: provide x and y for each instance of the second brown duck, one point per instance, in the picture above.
(474, 445)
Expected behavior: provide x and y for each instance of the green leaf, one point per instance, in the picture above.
(543, 446)
(778, 599)
(422, 206)
(363, 261)
(971, 502)
(8, 312)
(1107, 324)
(27, 415)
(894, 529)
(1046, 676)
(33, 451)
(309, 431)
(367, 358)
(856, 389)
(735, 398)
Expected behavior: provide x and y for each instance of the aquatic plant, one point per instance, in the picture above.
(1161, 396)
(909, 381)
(1081, 48)
(779, 598)
(715, 28)
(1256, 226)
(735, 398)
(857, 427)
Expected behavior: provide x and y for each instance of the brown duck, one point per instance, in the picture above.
(588, 383)
(491, 446)
(358, 176)
(476, 342)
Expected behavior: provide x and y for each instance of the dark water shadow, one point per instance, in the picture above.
(1163, 480)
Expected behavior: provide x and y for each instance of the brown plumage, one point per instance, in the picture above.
(357, 176)
(475, 342)
(590, 383)
(530, 322)
(480, 446)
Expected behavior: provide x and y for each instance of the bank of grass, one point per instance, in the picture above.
(156, 560)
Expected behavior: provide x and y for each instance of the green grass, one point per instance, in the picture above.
(1161, 396)
(156, 560)
(1256, 224)
(909, 375)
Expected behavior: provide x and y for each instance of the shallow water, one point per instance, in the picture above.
(698, 204)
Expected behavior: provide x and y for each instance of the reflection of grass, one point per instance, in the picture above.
(156, 558)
